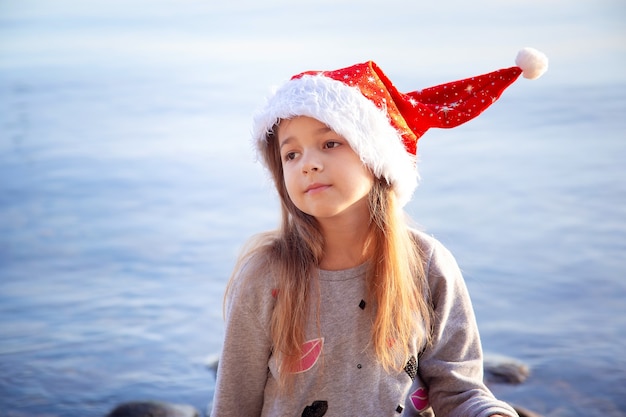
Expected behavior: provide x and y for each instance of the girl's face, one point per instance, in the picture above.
(324, 177)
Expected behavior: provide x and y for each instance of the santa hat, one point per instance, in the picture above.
(381, 124)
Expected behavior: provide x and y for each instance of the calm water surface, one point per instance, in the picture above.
(127, 185)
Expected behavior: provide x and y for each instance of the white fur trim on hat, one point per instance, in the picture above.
(533, 63)
(346, 111)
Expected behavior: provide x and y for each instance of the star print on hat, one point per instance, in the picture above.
(381, 124)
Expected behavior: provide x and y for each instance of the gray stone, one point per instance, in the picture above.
(153, 409)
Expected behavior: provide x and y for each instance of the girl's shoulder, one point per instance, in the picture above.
(426, 243)
(437, 258)
(253, 271)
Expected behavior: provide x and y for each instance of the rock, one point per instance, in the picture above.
(504, 370)
(525, 413)
(212, 362)
(153, 409)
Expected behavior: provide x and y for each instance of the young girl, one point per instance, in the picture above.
(345, 310)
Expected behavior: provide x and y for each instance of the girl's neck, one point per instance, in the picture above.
(344, 245)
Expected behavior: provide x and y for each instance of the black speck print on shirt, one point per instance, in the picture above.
(317, 409)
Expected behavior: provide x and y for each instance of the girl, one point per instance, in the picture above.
(345, 310)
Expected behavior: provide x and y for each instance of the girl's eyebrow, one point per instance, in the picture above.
(320, 131)
(285, 142)
(323, 130)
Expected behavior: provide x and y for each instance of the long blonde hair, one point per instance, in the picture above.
(396, 281)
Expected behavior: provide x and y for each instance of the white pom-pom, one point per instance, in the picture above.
(532, 62)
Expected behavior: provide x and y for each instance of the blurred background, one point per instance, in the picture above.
(128, 185)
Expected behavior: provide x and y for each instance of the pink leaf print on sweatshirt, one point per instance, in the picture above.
(419, 399)
(311, 351)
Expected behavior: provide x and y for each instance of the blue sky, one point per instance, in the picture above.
(585, 40)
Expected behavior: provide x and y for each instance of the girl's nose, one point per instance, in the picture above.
(311, 163)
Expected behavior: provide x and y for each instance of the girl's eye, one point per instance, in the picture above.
(290, 156)
(331, 144)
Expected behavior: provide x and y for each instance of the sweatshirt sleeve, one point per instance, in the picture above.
(243, 367)
(452, 365)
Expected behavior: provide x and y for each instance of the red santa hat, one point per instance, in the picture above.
(381, 124)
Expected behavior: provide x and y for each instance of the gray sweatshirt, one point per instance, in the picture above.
(339, 375)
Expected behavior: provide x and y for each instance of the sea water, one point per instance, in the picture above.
(128, 184)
